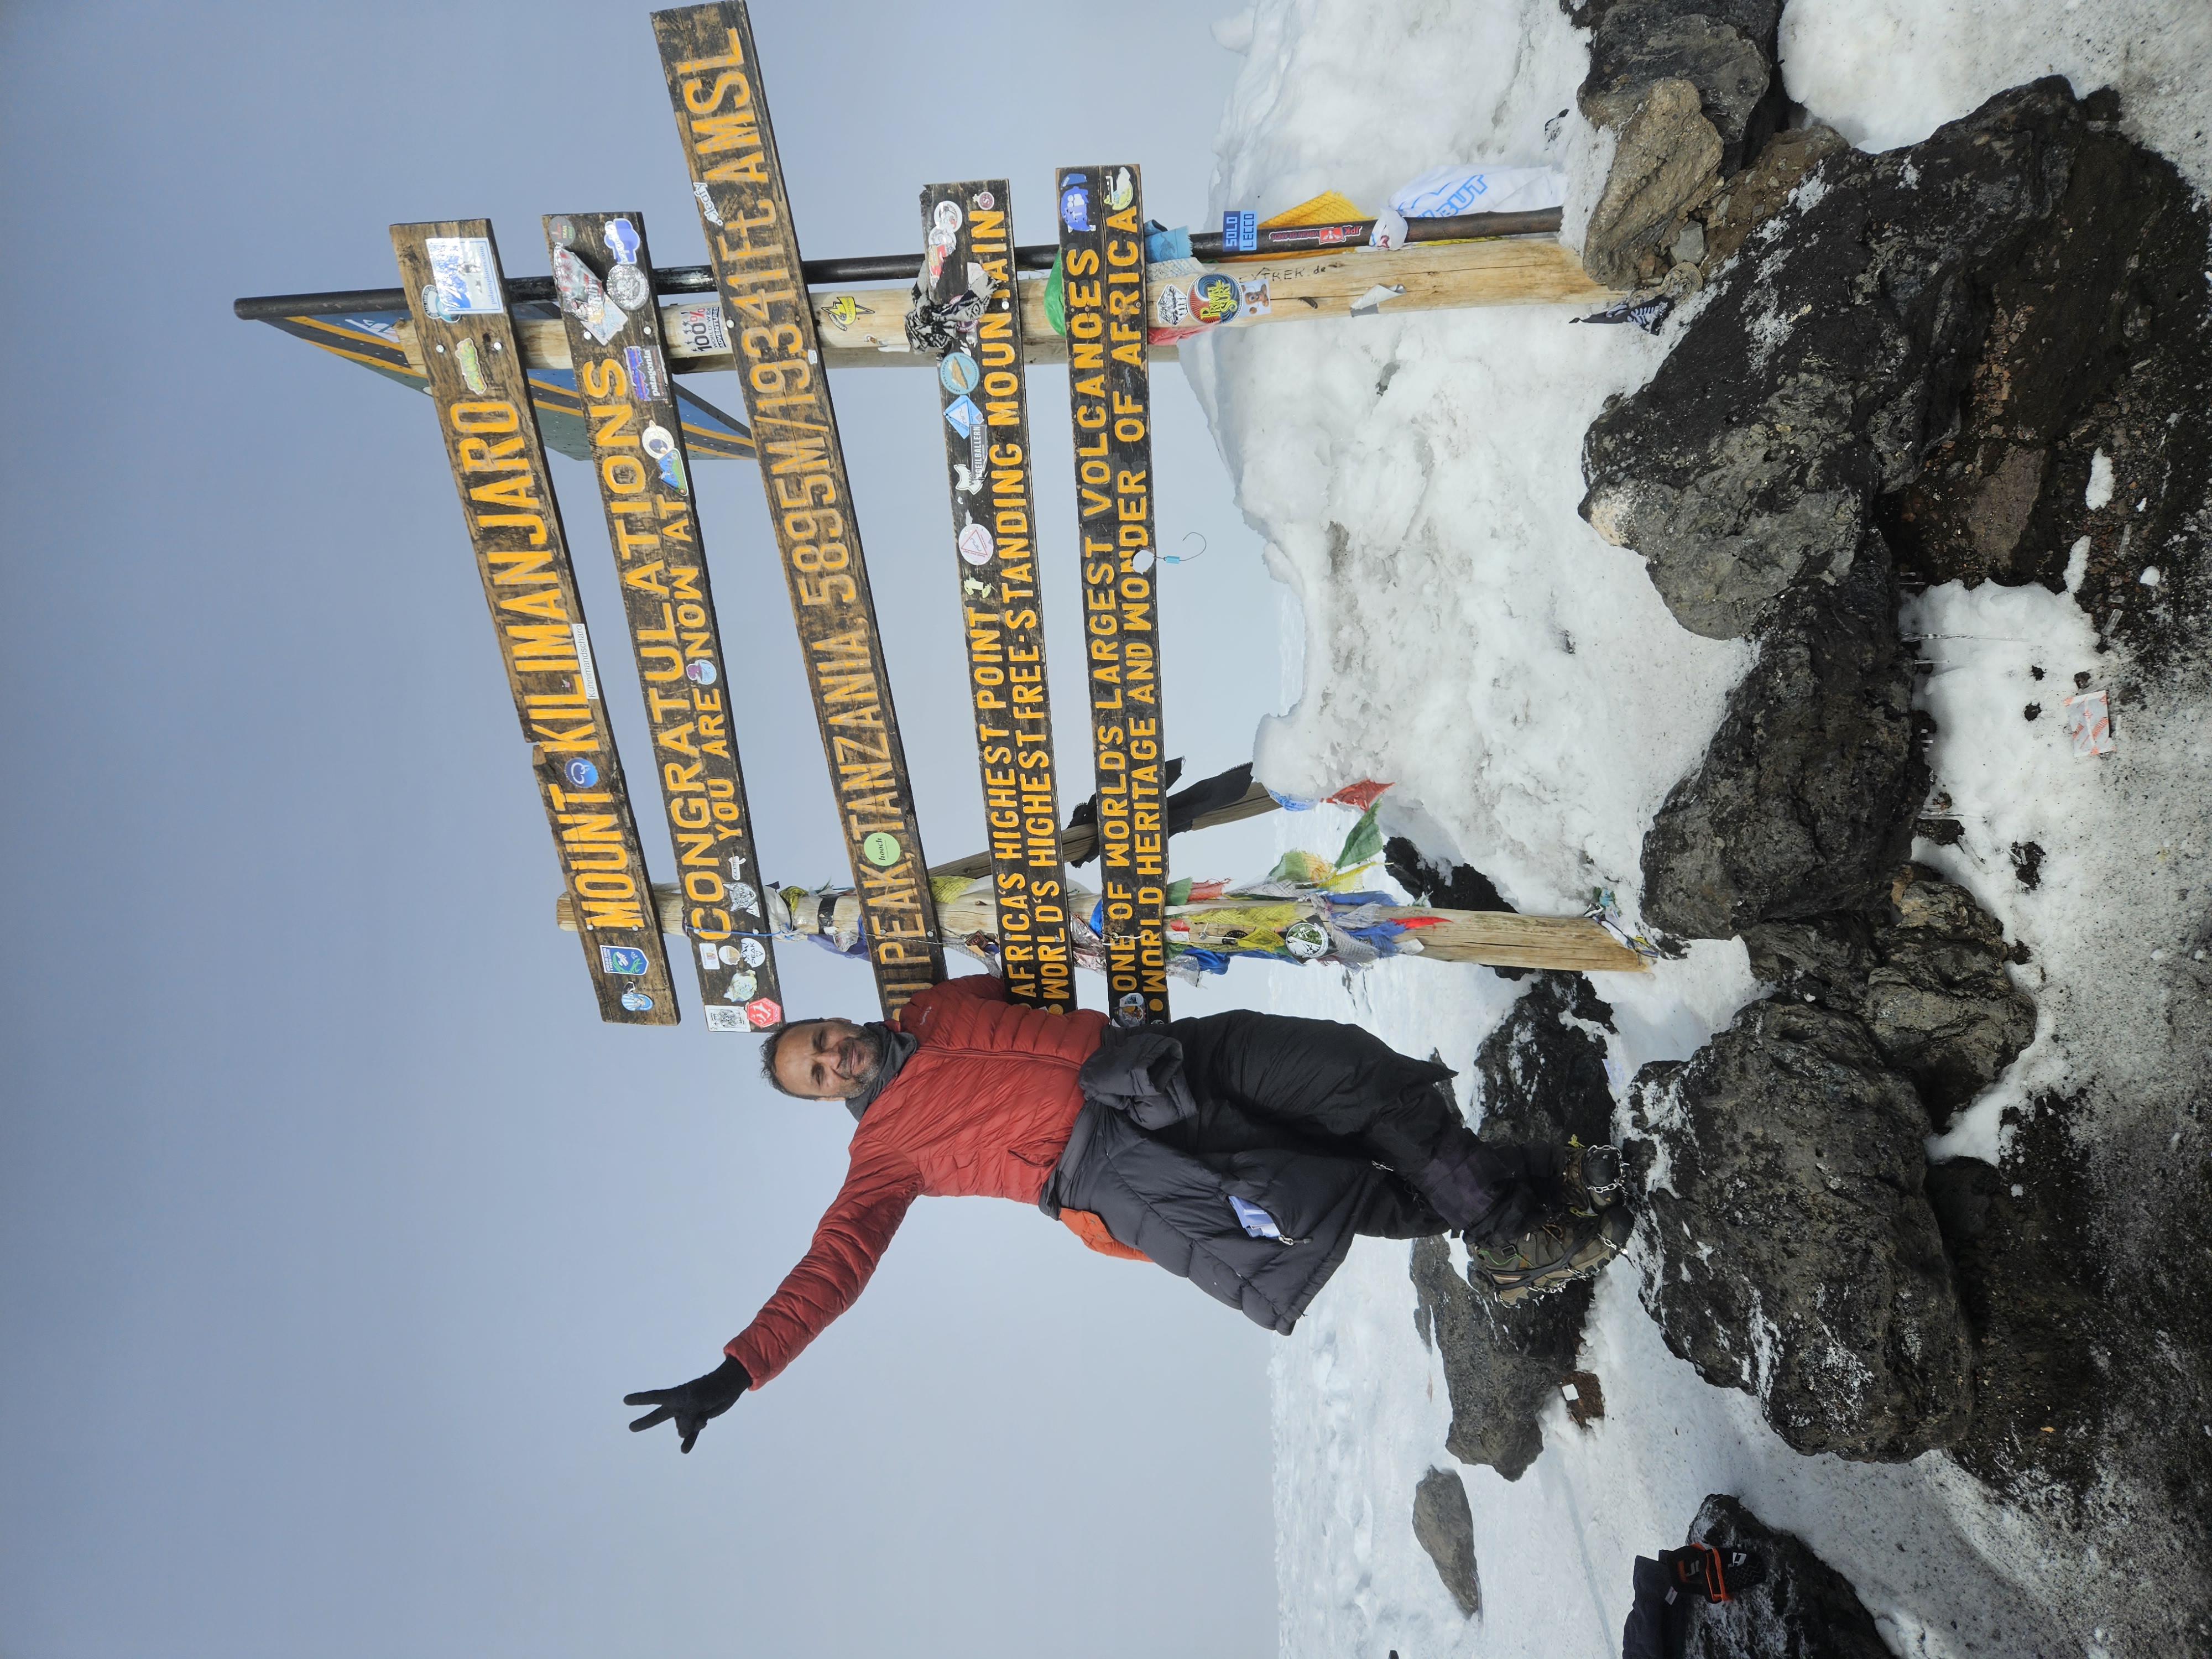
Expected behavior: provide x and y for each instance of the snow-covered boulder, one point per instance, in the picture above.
(1806, 800)
(1789, 1248)
(1828, 360)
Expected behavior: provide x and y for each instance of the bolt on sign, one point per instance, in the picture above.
(983, 398)
(721, 114)
(1101, 249)
(603, 274)
(451, 272)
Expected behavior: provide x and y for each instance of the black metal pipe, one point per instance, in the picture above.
(893, 267)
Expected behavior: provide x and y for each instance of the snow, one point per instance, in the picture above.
(1886, 73)
(1451, 624)
(2098, 490)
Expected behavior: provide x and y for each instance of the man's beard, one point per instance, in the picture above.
(870, 1042)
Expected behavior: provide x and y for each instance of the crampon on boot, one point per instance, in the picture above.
(1591, 1178)
(1549, 1255)
(1715, 1574)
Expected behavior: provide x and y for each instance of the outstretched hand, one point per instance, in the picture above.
(695, 1403)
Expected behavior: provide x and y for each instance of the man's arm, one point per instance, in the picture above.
(836, 1267)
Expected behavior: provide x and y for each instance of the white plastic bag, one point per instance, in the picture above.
(1447, 192)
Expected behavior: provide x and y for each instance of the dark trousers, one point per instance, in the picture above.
(1268, 1083)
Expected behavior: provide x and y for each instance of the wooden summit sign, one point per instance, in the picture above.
(983, 397)
(602, 272)
(1101, 249)
(451, 272)
(721, 114)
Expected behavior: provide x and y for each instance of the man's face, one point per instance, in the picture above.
(827, 1060)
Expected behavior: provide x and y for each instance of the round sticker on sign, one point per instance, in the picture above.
(627, 287)
(1171, 307)
(959, 373)
(753, 951)
(1305, 940)
(581, 773)
(700, 673)
(946, 217)
(881, 850)
(975, 545)
(1130, 1010)
(1214, 297)
(763, 1011)
(637, 1002)
(742, 987)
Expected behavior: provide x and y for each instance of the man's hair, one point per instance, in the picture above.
(770, 1042)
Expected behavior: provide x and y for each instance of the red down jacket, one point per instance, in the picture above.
(983, 1107)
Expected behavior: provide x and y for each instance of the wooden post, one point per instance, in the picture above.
(983, 398)
(722, 116)
(451, 272)
(693, 691)
(1102, 241)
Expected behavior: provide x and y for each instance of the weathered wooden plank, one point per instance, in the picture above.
(983, 397)
(1102, 244)
(729, 145)
(865, 326)
(692, 690)
(1495, 938)
(480, 388)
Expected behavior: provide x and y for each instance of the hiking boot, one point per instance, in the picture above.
(1548, 1257)
(1592, 1178)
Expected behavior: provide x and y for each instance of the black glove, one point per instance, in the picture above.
(695, 1403)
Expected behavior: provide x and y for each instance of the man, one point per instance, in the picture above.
(1244, 1151)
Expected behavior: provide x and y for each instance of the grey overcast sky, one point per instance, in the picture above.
(333, 1226)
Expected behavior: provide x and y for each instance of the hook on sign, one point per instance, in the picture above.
(1186, 558)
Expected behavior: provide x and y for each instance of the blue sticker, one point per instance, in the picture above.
(962, 416)
(959, 373)
(637, 1002)
(621, 240)
(1240, 232)
(581, 773)
(644, 372)
(1075, 204)
(623, 959)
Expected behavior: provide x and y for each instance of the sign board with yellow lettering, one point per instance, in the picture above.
(983, 398)
(1102, 248)
(457, 296)
(603, 275)
(722, 117)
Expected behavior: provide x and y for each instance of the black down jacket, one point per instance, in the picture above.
(1292, 1115)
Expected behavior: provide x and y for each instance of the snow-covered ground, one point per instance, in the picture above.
(1459, 629)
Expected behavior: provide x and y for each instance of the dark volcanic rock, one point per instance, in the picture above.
(2099, 330)
(1805, 802)
(1826, 363)
(1941, 1005)
(1749, 198)
(1926, 973)
(1543, 1079)
(1789, 1249)
(1805, 1609)
(1444, 1526)
(1724, 48)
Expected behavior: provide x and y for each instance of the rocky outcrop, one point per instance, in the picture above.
(1805, 802)
(1543, 1077)
(1826, 363)
(1751, 197)
(1939, 1002)
(1805, 1609)
(1724, 49)
(2097, 335)
(1667, 162)
(1444, 1527)
(1788, 1247)
(1926, 972)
